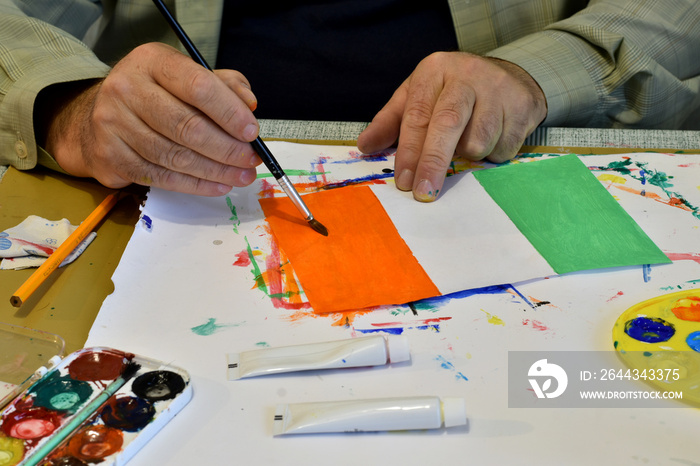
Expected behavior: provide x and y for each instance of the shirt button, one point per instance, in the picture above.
(21, 149)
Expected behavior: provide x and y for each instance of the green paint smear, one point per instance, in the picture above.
(293, 173)
(259, 280)
(234, 216)
(568, 216)
(211, 327)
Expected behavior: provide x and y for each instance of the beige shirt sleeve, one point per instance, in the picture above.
(34, 55)
(617, 63)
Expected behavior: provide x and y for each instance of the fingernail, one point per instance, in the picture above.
(223, 189)
(424, 191)
(254, 160)
(405, 180)
(250, 132)
(247, 177)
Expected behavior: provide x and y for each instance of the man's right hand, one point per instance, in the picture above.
(159, 119)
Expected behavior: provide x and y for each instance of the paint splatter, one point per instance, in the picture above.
(646, 272)
(648, 176)
(493, 320)
(211, 327)
(619, 293)
(421, 323)
(536, 325)
(234, 216)
(447, 365)
(242, 259)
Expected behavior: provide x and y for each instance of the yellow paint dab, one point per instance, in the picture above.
(494, 320)
(611, 178)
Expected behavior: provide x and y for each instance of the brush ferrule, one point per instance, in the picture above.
(290, 191)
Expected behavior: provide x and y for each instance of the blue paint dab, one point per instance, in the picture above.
(147, 222)
(693, 341)
(445, 364)
(649, 329)
(646, 272)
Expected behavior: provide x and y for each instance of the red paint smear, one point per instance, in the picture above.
(684, 256)
(242, 259)
(45, 249)
(535, 324)
(422, 322)
(619, 293)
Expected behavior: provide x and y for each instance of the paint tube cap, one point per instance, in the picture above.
(398, 348)
(454, 412)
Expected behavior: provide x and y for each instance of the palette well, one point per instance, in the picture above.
(97, 406)
(660, 339)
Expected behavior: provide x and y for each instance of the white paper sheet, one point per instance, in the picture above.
(180, 298)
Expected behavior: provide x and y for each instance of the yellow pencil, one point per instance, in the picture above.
(55, 259)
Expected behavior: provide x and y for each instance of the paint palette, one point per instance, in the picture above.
(660, 340)
(97, 406)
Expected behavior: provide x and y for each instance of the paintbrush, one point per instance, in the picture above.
(258, 145)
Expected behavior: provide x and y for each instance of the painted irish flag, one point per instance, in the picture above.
(534, 220)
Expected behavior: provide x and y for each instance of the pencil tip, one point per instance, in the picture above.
(318, 227)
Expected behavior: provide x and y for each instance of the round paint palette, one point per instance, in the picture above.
(661, 336)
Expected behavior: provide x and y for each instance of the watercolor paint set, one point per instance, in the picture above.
(96, 406)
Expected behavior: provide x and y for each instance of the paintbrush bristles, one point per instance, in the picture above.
(318, 227)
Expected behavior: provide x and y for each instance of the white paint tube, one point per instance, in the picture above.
(373, 350)
(382, 414)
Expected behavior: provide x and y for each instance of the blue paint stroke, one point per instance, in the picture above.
(399, 330)
(493, 289)
(360, 180)
(390, 330)
(646, 272)
(447, 365)
(379, 157)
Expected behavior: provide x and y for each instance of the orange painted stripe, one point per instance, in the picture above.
(362, 262)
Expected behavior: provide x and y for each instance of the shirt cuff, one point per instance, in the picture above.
(17, 108)
(553, 59)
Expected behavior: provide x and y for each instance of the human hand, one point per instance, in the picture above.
(160, 119)
(454, 104)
